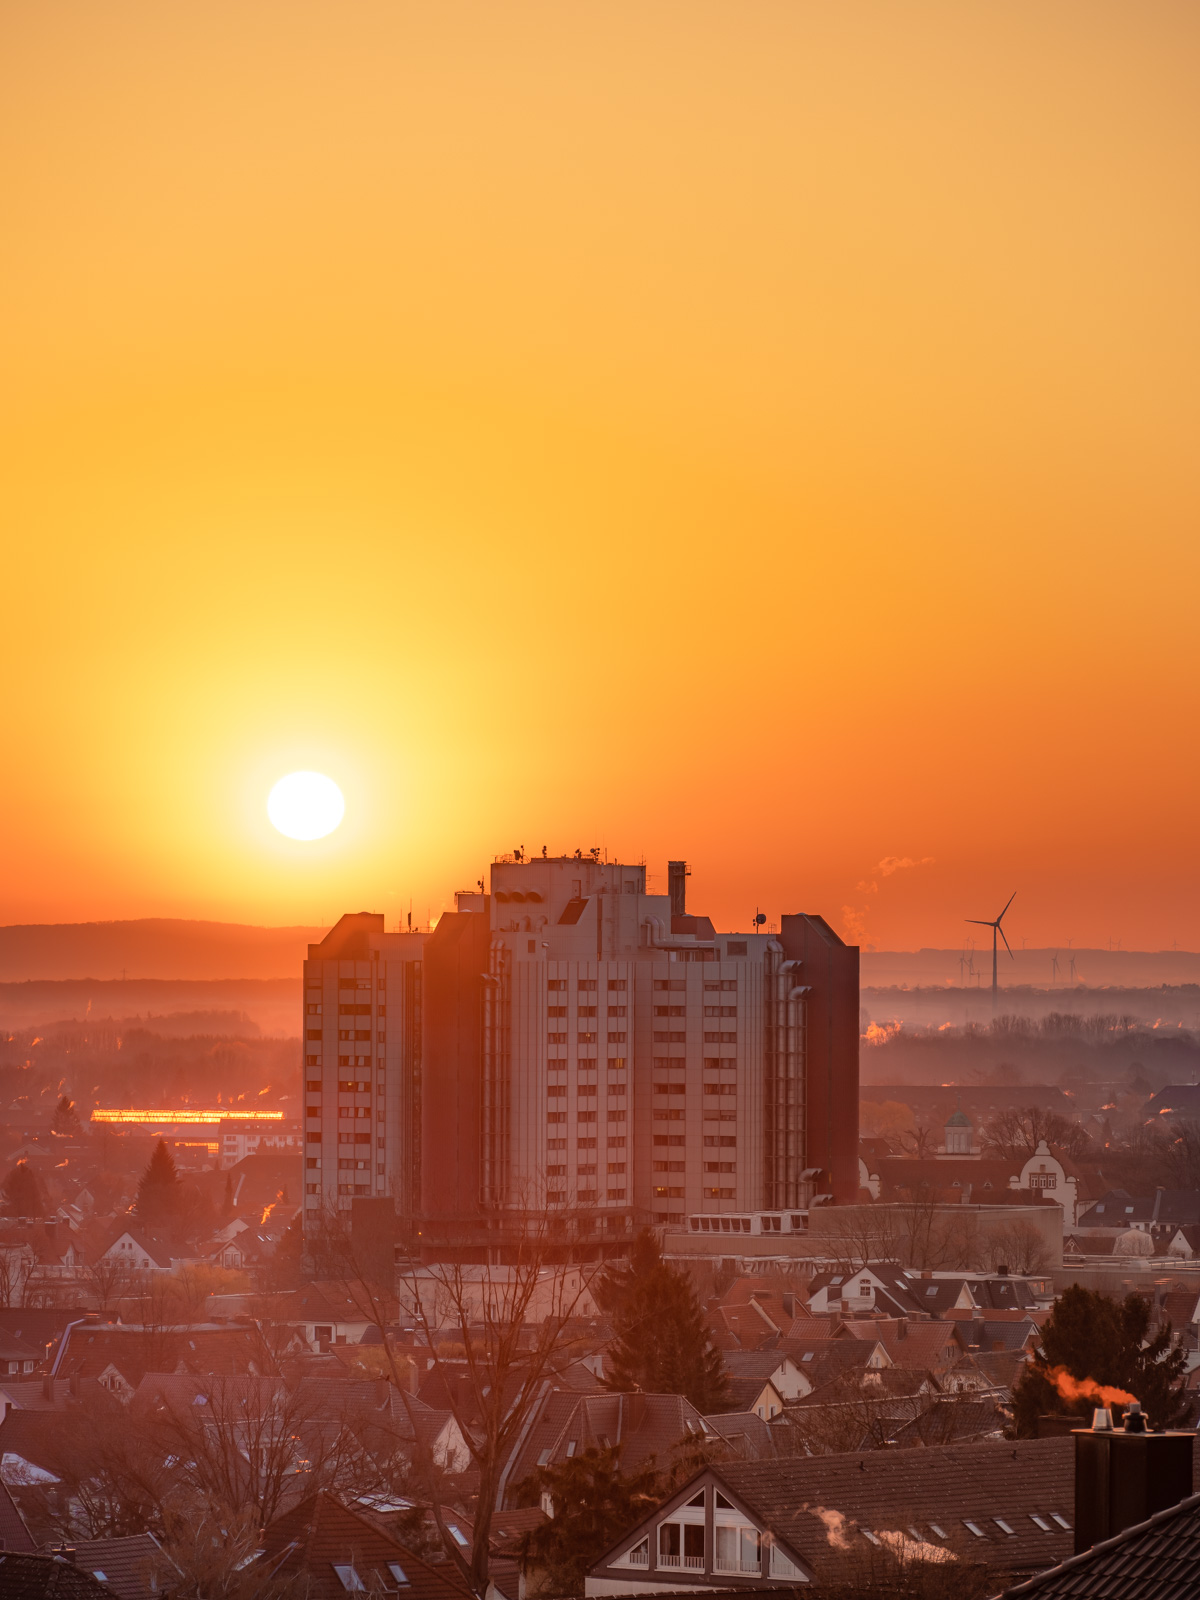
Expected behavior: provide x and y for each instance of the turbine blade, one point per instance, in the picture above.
(979, 922)
(1007, 946)
(1011, 898)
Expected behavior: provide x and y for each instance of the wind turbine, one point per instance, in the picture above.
(1054, 969)
(981, 922)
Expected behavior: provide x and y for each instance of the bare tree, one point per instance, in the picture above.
(932, 1234)
(506, 1329)
(854, 1236)
(1018, 1245)
(1015, 1134)
(17, 1266)
(111, 1281)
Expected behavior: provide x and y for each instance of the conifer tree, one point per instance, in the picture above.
(65, 1121)
(661, 1342)
(158, 1196)
(1089, 1335)
(22, 1192)
(594, 1505)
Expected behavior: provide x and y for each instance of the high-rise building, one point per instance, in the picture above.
(570, 1041)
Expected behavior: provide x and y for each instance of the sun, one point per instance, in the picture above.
(306, 805)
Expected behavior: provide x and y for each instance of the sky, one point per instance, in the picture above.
(758, 432)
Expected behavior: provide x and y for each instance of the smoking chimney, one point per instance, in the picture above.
(1122, 1477)
(677, 887)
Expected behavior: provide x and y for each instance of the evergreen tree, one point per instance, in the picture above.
(661, 1341)
(594, 1504)
(158, 1196)
(65, 1121)
(1090, 1336)
(22, 1192)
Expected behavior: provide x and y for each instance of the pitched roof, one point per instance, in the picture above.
(321, 1533)
(30, 1577)
(133, 1351)
(936, 1487)
(1154, 1560)
(14, 1535)
(643, 1425)
(133, 1568)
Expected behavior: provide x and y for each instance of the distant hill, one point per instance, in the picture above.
(152, 947)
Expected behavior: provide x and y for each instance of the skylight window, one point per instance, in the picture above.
(103, 1576)
(397, 1572)
(941, 1532)
(1041, 1522)
(1062, 1521)
(571, 1443)
(1003, 1526)
(544, 1457)
(974, 1527)
(930, 1292)
(349, 1579)
(867, 1534)
(808, 1355)
(832, 1281)
(456, 1533)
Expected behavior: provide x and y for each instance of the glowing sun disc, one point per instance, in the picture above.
(306, 805)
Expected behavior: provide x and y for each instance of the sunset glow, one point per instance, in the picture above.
(758, 434)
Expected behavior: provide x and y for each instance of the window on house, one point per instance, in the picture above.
(738, 1548)
(349, 1578)
(782, 1565)
(397, 1572)
(681, 1544)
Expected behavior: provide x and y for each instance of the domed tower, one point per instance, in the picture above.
(958, 1131)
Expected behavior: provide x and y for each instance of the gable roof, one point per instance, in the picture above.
(642, 1425)
(320, 1532)
(939, 1485)
(133, 1568)
(1154, 1560)
(14, 1535)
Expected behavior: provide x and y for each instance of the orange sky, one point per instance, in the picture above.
(763, 432)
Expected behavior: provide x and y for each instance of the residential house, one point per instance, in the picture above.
(1003, 1504)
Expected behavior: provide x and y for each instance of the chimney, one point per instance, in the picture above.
(677, 887)
(901, 1327)
(48, 1387)
(1123, 1477)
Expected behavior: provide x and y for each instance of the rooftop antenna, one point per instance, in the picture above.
(982, 922)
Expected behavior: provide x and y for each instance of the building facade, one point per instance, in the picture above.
(567, 1040)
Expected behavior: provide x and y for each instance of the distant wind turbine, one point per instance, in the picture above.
(981, 922)
(1054, 969)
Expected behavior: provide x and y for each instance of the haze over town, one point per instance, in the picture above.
(599, 902)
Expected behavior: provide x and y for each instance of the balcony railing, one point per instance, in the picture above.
(639, 1558)
(731, 1564)
(691, 1563)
